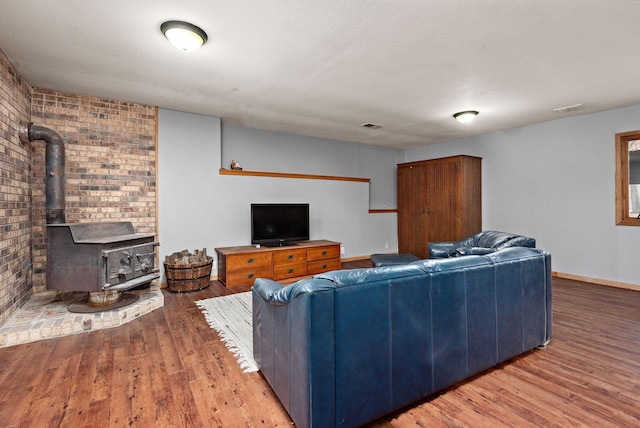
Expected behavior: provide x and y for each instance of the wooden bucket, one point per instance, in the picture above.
(188, 276)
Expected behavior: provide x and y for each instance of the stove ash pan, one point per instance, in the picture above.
(98, 257)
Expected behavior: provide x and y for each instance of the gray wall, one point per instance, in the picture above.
(555, 181)
(201, 208)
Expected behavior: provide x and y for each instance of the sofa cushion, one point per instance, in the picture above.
(450, 264)
(513, 254)
(470, 251)
(492, 239)
(517, 241)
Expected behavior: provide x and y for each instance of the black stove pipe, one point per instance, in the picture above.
(54, 163)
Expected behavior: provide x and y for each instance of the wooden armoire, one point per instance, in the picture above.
(438, 200)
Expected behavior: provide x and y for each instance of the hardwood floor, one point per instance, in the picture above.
(168, 369)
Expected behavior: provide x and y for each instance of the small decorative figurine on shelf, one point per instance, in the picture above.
(236, 165)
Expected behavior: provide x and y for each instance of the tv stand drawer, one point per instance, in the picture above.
(323, 266)
(256, 260)
(289, 270)
(248, 276)
(323, 253)
(289, 256)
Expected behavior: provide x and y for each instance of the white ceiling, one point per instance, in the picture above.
(325, 68)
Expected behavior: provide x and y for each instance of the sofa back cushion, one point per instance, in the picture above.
(517, 241)
(346, 278)
(492, 238)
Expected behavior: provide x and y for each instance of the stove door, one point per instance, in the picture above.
(128, 267)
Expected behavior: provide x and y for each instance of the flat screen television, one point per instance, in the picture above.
(275, 225)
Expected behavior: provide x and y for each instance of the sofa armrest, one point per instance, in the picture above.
(266, 288)
(276, 294)
(440, 250)
(294, 347)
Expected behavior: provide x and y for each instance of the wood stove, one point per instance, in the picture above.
(96, 257)
(103, 258)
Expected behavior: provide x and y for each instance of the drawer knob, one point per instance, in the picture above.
(324, 266)
(324, 253)
(290, 257)
(250, 260)
(251, 275)
(291, 270)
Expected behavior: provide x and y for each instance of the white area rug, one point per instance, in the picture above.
(231, 317)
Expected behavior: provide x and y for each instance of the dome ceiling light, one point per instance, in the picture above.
(183, 35)
(465, 116)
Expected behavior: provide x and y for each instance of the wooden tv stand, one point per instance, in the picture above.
(242, 265)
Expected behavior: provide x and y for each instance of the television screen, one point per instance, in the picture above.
(279, 224)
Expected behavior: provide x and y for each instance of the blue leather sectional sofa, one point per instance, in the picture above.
(347, 347)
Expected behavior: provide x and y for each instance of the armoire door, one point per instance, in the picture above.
(442, 193)
(411, 211)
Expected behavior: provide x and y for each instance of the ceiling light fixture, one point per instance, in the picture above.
(184, 36)
(465, 116)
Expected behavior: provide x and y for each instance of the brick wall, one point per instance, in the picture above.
(110, 164)
(15, 192)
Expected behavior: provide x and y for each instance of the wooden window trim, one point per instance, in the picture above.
(622, 178)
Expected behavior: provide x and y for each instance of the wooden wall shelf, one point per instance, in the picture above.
(291, 175)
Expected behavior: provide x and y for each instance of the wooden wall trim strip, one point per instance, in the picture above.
(385, 211)
(291, 175)
(354, 259)
(598, 281)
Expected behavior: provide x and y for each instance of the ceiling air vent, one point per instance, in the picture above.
(567, 109)
(372, 126)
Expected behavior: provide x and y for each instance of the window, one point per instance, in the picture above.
(628, 178)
